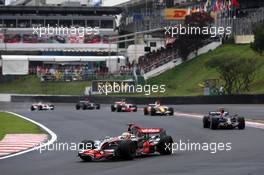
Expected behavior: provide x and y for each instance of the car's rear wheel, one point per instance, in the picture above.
(39, 108)
(164, 147)
(98, 106)
(214, 123)
(146, 111)
(171, 110)
(126, 150)
(206, 123)
(241, 123)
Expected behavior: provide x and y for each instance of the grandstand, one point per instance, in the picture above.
(70, 36)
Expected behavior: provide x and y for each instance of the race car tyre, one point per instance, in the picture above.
(214, 123)
(146, 111)
(135, 110)
(171, 110)
(39, 108)
(52, 107)
(206, 123)
(98, 106)
(86, 144)
(77, 107)
(119, 108)
(32, 108)
(113, 108)
(152, 112)
(83, 107)
(164, 145)
(241, 123)
(126, 150)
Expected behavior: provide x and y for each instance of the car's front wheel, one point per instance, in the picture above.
(126, 150)
(214, 123)
(206, 123)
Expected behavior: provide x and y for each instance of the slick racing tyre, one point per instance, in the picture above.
(77, 107)
(113, 108)
(146, 111)
(206, 123)
(98, 106)
(214, 123)
(126, 150)
(135, 110)
(241, 123)
(119, 108)
(52, 107)
(39, 108)
(164, 147)
(152, 111)
(32, 108)
(171, 110)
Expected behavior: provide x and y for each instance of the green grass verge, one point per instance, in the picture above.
(184, 79)
(11, 124)
(32, 85)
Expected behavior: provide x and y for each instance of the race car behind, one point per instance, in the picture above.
(223, 120)
(122, 106)
(41, 106)
(154, 109)
(86, 105)
(134, 142)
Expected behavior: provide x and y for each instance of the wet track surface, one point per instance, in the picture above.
(246, 156)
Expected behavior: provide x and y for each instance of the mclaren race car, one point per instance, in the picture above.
(157, 109)
(223, 120)
(134, 142)
(86, 105)
(122, 106)
(41, 106)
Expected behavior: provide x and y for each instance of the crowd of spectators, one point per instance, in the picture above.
(69, 72)
(156, 58)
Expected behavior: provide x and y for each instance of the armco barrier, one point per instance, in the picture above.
(232, 99)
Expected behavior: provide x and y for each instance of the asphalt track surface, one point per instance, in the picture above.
(246, 156)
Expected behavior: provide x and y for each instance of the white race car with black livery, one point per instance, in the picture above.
(87, 105)
(42, 106)
(223, 120)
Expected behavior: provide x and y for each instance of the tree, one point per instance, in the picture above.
(237, 73)
(192, 42)
(258, 44)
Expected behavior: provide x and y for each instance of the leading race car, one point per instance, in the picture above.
(223, 120)
(134, 142)
(123, 106)
(41, 106)
(158, 109)
(86, 104)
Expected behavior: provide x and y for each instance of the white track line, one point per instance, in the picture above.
(51, 133)
(199, 116)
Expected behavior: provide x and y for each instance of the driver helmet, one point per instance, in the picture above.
(126, 135)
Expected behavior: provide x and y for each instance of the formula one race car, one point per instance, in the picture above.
(134, 142)
(223, 120)
(41, 106)
(86, 105)
(157, 109)
(122, 106)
